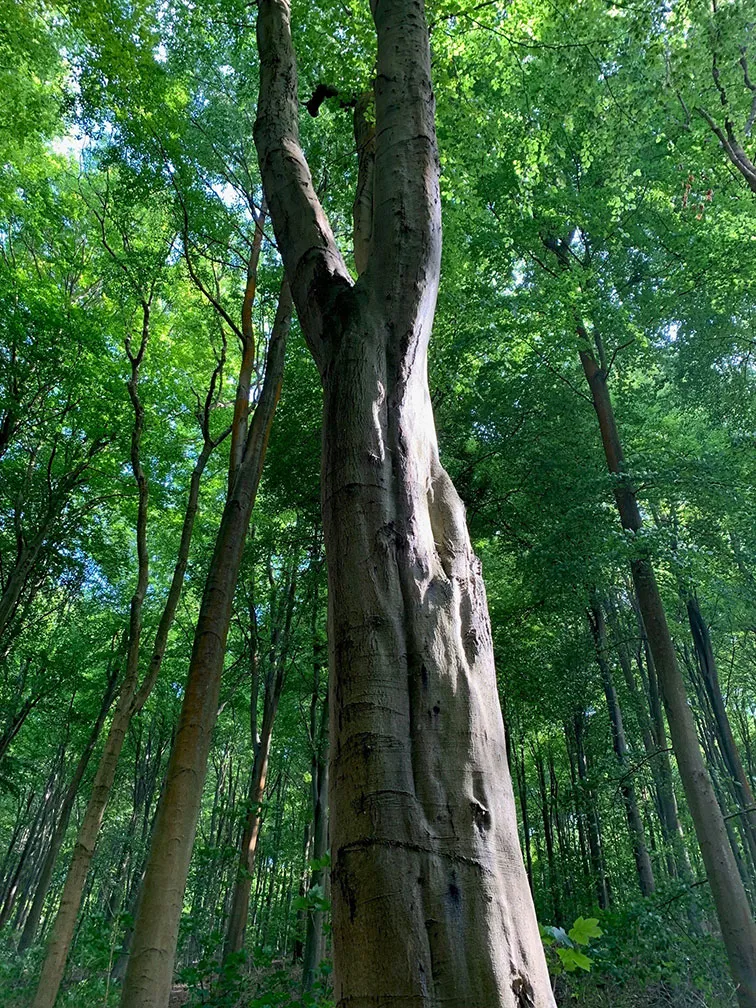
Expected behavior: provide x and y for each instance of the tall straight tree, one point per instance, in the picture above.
(280, 633)
(431, 903)
(730, 899)
(147, 983)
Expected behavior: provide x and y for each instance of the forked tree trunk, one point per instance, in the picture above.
(147, 983)
(733, 910)
(431, 904)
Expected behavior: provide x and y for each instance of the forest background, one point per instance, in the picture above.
(595, 166)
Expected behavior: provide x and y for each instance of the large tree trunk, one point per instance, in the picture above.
(431, 903)
(733, 910)
(147, 983)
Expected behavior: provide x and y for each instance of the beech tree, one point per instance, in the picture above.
(430, 897)
(136, 121)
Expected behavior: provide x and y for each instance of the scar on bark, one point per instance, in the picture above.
(481, 816)
(523, 991)
(340, 873)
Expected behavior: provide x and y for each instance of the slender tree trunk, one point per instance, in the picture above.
(318, 733)
(733, 909)
(431, 902)
(59, 945)
(132, 696)
(668, 801)
(710, 675)
(634, 821)
(17, 722)
(237, 921)
(676, 856)
(725, 788)
(522, 789)
(23, 811)
(548, 836)
(33, 547)
(313, 947)
(564, 877)
(588, 802)
(31, 840)
(149, 973)
(239, 914)
(18, 578)
(577, 803)
(48, 865)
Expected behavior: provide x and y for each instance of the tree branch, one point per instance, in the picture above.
(406, 248)
(314, 265)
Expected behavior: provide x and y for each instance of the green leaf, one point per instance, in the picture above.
(584, 929)
(572, 959)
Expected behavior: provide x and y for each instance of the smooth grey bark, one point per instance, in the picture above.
(431, 903)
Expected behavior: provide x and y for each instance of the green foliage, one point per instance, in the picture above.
(129, 166)
(565, 945)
